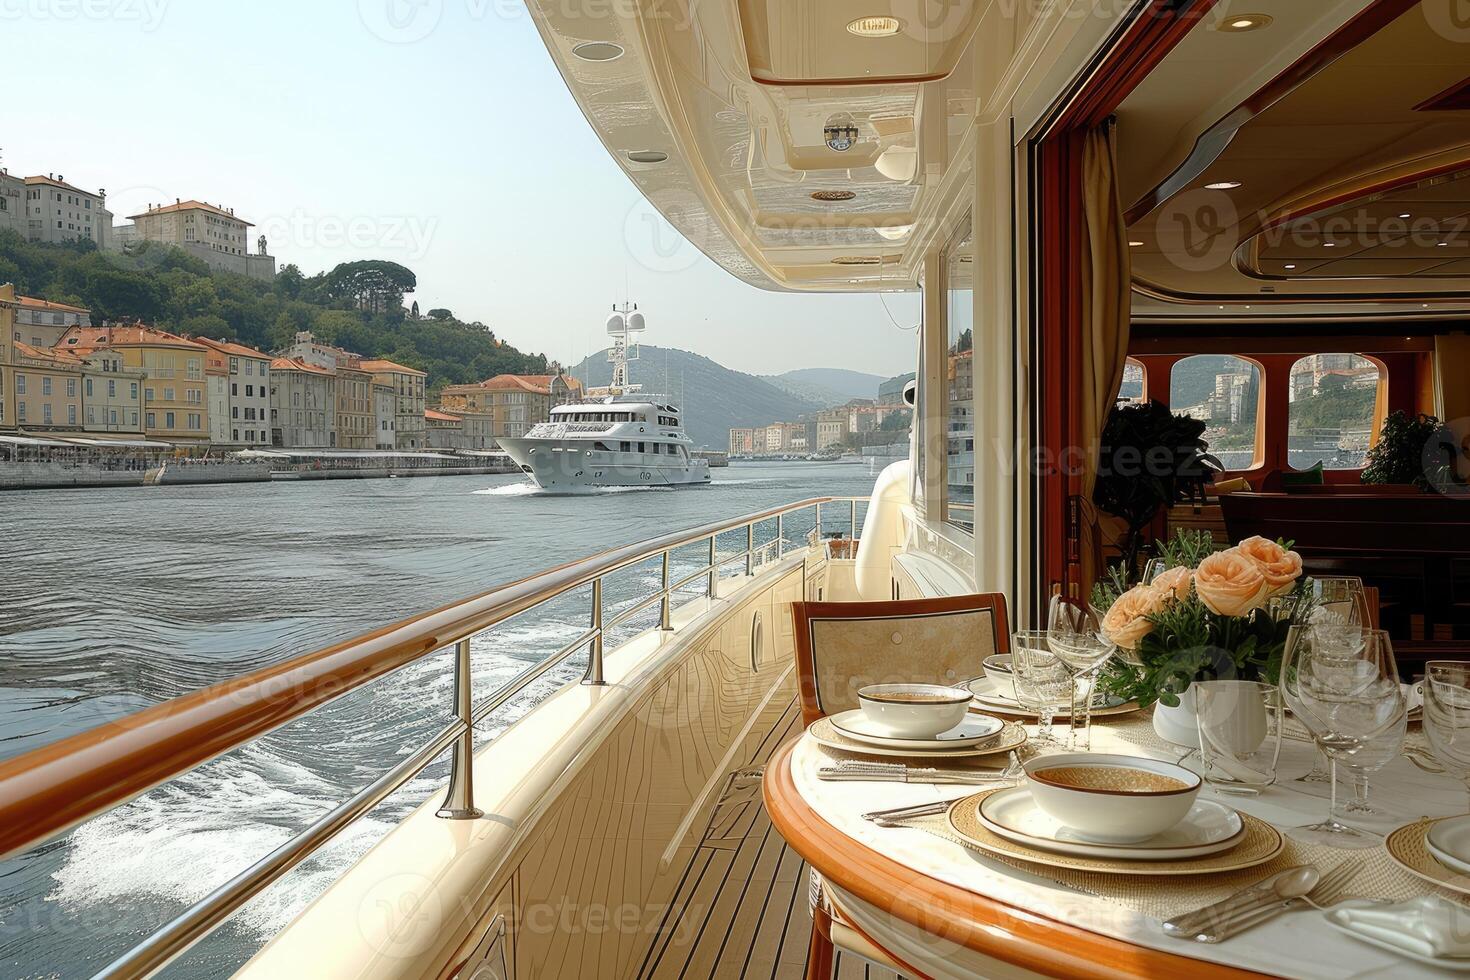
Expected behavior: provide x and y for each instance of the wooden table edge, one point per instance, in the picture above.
(985, 925)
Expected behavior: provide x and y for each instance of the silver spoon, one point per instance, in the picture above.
(1204, 924)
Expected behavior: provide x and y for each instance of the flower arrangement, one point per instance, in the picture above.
(1208, 615)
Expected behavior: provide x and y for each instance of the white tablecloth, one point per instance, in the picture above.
(1298, 944)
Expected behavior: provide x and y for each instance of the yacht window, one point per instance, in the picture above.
(601, 445)
(1134, 383)
(626, 447)
(641, 448)
(1224, 392)
(959, 497)
(1333, 411)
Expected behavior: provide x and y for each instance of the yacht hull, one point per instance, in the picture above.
(569, 466)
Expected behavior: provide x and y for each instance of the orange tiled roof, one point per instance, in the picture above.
(539, 384)
(189, 206)
(128, 335)
(434, 416)
(33, 303)
(60, 357)
(53, 182)
(297, 364)
(384, 367)
(231, 348)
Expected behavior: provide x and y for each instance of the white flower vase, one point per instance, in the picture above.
(1178, 724)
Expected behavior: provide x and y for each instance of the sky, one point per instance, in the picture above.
(435, 133)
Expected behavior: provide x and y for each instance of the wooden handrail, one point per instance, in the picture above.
(51, 789)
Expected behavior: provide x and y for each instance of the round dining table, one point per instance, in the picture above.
(937, 907)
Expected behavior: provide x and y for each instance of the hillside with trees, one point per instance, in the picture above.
(356, 305)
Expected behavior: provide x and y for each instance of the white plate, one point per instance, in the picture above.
(856, 724)
(1444, 963)
(1448, 842)
(983, 690)
(1208, 828)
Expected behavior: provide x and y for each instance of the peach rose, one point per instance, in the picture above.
(1230, 583)
(1280, 567)
(1174, 582)
(1126, 622)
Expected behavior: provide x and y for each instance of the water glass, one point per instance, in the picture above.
(1075, 638)
(1042, 684)
(1371, 758)
(1240, 725)
(1447, 715)
(1344, 687)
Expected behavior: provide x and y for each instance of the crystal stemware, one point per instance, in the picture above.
(1447, 715)
(1368, 760)
(1075, 638)
(1329, 599)
(1342, 684)
(1042, 684)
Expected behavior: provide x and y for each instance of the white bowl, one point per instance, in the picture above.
(1112, 799)
(1000, 669)
(914, 710)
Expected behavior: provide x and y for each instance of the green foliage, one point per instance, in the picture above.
(357, 305)
(1187, 548)
(1399, 455)
(1150, 459)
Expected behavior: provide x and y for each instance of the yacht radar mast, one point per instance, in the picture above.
(623, 327)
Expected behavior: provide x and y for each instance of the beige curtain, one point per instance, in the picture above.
(1106, 283)
(1452, 388)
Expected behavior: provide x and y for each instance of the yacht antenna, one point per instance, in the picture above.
(623, 327)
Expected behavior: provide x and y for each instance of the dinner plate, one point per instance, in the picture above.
(1009, 738)
(1260, 843)
(1409, 848)
(1448, 842)
(987, 697)
(856, 724)
(1208, 828)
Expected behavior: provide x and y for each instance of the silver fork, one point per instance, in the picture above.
(1327, 893)
(901, 772)
(896, 816)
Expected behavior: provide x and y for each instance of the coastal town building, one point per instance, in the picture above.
(384, 416)
(175, 406)
(443, 431)
(206, 231)
(47, 390)
(41, 323)
(59, 212)
(303, 402)
(238, 381)
(742, 442)
(112, 393)
(355, 423)
(12, 204)
(890, 392)
(408, 389)
(511, 403)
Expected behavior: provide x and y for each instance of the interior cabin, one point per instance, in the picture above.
(1252, 213)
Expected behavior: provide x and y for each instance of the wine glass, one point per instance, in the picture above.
(1042, 684)
(1447, 715)
(1329, 599)
(1342, 683)
(1369, 760)
(1075, 638)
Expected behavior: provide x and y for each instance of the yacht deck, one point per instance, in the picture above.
(741, 908)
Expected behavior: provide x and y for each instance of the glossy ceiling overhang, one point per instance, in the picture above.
(745, 157)
(1328, 153)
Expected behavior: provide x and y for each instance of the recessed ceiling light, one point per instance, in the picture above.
(875, 26)
(1440, 244)
(598, 51)
(1329, 244)
(1291, 265)
(1223, 185)
(1241, 23)
(1134, 244)
(1406, 215)
(833, 195)
(894, 232)
(647, 156)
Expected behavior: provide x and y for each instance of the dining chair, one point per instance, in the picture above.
(842, 647)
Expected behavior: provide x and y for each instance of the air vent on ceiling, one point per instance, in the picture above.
(833, 195)
(857, 260)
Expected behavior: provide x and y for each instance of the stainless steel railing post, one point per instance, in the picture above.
(594, 658)
(818, 525)
(852, 520)
(459, 801)
(780, 536)
(665, 606)
(714, 569)
(750, 548)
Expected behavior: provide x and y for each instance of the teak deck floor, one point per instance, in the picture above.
(741, 909)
